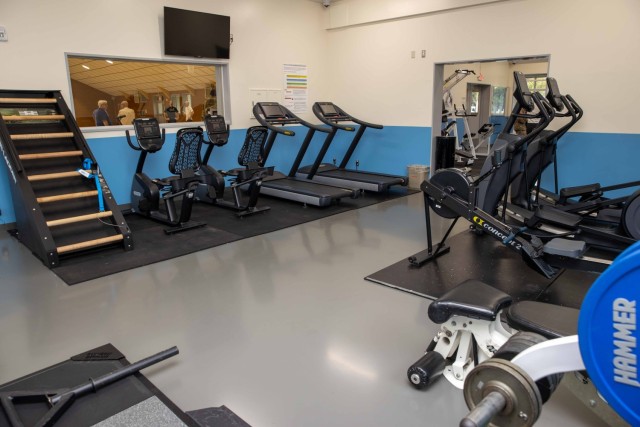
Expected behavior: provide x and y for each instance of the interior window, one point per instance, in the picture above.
(147, 87)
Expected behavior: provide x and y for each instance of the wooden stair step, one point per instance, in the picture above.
(68, 196)
(90, 243)
(57, 175)
(25, 118)
(28, 100)
(51, 135)
(72, 219)
(52, 155)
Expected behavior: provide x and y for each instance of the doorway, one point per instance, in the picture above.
(487, 89)
(479, 99)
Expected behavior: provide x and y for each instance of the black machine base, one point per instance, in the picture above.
(184, 227)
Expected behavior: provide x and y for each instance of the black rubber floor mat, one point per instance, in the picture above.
(152, 245)
(471, 257)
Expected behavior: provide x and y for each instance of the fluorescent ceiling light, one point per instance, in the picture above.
(86, 67)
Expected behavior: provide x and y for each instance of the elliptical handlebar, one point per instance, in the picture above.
(138, 148)
(546, 113)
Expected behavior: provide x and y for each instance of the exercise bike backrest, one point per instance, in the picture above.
(149, 137)
(185, 158)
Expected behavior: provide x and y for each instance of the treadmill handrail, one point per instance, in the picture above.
(343, 117)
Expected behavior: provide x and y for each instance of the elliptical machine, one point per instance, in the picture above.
(146, 193)
(622, 213)
(249, 176)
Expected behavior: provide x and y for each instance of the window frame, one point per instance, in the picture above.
(221, 79)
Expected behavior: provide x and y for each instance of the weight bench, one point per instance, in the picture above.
(476, 320)
(479, 323)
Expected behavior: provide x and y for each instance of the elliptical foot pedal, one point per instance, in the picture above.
(565, 247)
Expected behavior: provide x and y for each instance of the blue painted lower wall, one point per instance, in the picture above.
(388, 150)
(582, 157)
(606, 158)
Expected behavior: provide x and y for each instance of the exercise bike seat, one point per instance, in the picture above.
(471, 298)
(548, 320)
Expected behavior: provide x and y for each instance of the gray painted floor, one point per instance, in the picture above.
(281, 328)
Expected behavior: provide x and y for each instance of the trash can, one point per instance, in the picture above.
(445, 152)
(417, 174)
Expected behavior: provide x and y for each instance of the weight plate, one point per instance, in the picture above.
(631, 216)
(608, 334)
(523, 403)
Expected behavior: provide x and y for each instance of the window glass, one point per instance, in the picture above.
(537, 82)
(146, 87)
(499, 100)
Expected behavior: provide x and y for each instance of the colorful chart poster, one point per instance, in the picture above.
(296, 86)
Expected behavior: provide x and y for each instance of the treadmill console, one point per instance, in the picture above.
(272, 111)
(328, 109)
(215, 124)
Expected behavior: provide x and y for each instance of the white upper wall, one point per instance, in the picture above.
(267, 34)
(366, 68)
(593, 47)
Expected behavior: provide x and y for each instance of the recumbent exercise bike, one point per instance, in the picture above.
(249, 177)
(147, 193)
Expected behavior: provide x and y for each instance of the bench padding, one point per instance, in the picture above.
(472, 298)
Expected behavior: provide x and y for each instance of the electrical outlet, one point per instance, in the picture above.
(3, 35)
(413, 54)
(424, 53)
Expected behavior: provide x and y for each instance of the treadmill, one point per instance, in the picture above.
(328, 173)
(273, 116)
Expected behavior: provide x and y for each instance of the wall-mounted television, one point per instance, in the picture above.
(196, 34)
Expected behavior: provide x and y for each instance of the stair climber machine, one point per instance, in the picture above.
(274, 116)
(62, 203)
(618, 216)
(249, 176)
(331, 115)
(452, 194)
(157, 198)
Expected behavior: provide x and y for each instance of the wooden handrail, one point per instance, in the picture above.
(90, 243)
(51, 135)
(24, 118)
(58, 175)
(50, 155)
(28, 100)
(80, 218)
(68, 196)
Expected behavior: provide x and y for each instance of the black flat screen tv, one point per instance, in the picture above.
(196, 34)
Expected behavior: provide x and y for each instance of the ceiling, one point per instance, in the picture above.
(124, 78)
